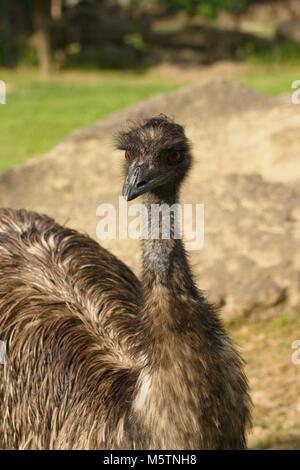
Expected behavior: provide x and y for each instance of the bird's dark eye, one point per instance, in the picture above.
(127, 156)
(174, 157)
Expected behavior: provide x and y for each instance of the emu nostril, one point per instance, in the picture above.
(141, 183)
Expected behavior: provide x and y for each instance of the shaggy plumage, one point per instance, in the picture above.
(97, 359)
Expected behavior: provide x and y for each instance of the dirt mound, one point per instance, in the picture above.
(246, 149)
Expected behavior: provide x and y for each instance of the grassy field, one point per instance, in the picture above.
(39, 113)
(271, 80)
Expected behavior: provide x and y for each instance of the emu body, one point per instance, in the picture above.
(100, 360)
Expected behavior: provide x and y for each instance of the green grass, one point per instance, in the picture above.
(272, 80)
(38, 114)
(287, 53)
(284, 321)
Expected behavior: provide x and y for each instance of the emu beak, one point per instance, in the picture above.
(140, 179)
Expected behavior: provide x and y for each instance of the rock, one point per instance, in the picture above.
(247, 264)
(246, 173)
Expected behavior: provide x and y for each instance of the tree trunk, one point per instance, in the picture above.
(42, 39)
(6, 35)
(56, 9)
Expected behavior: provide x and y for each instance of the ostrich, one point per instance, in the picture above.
(97, 359)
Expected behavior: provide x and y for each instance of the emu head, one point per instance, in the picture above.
(157, 157)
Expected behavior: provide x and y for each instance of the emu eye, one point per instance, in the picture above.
(127, 156)
(174, 157)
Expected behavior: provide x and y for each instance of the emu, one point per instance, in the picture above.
(97, 359)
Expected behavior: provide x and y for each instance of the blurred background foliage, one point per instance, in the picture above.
(69, 62)
(56, 34)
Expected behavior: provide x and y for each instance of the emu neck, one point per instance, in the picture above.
(164, 257)
(169, 375)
